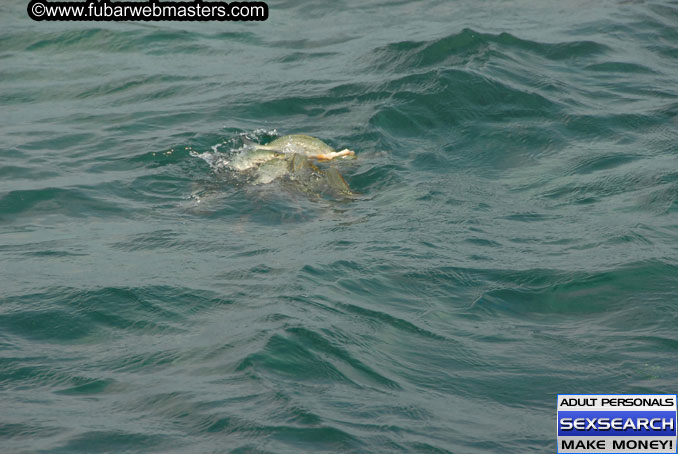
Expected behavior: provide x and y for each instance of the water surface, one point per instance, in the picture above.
(514, 238)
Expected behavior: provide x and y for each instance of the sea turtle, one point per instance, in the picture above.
(288, 156)
(307, 146)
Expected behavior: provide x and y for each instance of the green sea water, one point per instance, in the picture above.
(514, 234)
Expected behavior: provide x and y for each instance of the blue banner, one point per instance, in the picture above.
(617, 423)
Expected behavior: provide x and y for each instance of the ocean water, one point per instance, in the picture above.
(514, 233)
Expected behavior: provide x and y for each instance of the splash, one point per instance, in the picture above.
(223, 156)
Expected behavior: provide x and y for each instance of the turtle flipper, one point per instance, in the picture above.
(336, 182)
(257, 146)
